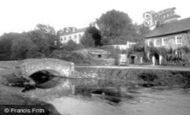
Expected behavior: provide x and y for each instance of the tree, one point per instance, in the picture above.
(87, 40)
(21, 46)
(50, 33)
(143, 29)
(33, 44)
(44, 42)
(46, 29)
(92, 37)
(116, 27)
(5, 45)
(96, 35)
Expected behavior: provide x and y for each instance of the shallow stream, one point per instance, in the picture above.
(145, 102)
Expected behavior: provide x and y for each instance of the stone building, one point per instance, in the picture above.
(167, 32)
(171, 35)
(72, 34)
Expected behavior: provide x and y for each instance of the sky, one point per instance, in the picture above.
(24, 15)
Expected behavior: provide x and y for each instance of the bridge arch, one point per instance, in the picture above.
(46, 78)
(43, 71)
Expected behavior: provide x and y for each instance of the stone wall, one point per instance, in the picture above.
(136, 77)
(107, 61)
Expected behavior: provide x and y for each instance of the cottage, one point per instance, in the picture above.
(168, 32)
(172, 35)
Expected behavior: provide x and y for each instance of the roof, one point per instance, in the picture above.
(170, 28)
(77, 31)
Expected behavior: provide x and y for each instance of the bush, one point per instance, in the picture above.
(77, 58)
(71, 46)
(148, 79)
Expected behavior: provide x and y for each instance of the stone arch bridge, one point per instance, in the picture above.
(31, 69)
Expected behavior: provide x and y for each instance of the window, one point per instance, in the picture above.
(150, 43)
(168, 40)
(65, 38)
(178, 39)
(164, 41)
(80, 35)
(75, 36)
(157, 42)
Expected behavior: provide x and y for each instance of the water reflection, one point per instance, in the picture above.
(145, 102)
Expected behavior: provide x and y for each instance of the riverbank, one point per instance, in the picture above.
(129, 79)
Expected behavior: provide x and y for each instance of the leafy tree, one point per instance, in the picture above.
(87, 40)
(33, 44)
(5, 46)
(116, 27)
(92, 37)
(46, 29)
(43, 41)
(96, 35)
(20, 47)
(142, 30)
(50, 33)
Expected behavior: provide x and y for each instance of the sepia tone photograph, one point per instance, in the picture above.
(101, 57)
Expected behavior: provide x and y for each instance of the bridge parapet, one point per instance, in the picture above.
(30, 66)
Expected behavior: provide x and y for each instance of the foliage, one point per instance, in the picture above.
(164, 78)
(21, 47)
(32, 44)
(46, 29)
(87, 40)
(5, 45)
(96, 35)
(162, 51)
(70, 56)
(142, 30)
(184, 49)
(44, 42)
(116, 27)
(152, 51)
(92, 37)
(71, 46)
(132, 79)
(170, 57)
(136, 48)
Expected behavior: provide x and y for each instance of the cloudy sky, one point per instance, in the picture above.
(23, 15)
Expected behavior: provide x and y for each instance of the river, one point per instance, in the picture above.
(145, 102)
